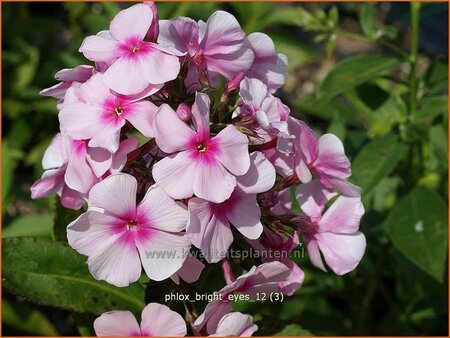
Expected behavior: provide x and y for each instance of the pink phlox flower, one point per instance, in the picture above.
(235, 324)
(72, 168)
(157, 321)
(217, 46)
(209, 223)
(136, 65)
(263, 278)
(268, 112)
(97, 114)
(190, 271)
(66, 77)
(276, 247)
(118, 236)
(324, 157)
(334, 233)
(268, 66)
(198, 163)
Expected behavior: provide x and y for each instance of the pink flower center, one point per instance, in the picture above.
(118, 110)
(133, 47)
(201, 148)
(132, 225)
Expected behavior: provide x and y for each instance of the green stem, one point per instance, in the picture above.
(413, 53)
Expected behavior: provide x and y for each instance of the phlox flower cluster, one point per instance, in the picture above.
(174, 143)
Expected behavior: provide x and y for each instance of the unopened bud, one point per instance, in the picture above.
(184, 112)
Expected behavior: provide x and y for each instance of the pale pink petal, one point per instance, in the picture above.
(342, 252)
(159, 67)
(230, 65)
(108, 137)
(223, 34)
(180, 33)
(209, 232)
(80, 121)
(211, 317)
(245, 215)
(116, 194)
(190, 271)
(260, 176)
(331, 158)
(212, 182)
(175, 174)
(302, 171)
(200, 113)
(71, 199)
(163, 253)
(160, 320)
(253, 92)
(312, 198)
(162, 212)
(345, 187)
(93, 91)
(132, 22)
(343, 216)
(91, 233)
(306, 141)
(126, 76)
(51, 182)
(118, 265)
(116, 324)
(99, 49)
(99, 159)
(262, 45)
(79, 175)
(141, 116)
(120, 157)
(171, 133)
(314, 254)
(295, 279)
(55, 155)
(235, 324)
(79, 73)
(234, 150)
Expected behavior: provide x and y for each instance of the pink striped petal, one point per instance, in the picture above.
(234, 150)
(343, 216)
(132, 22)
(212, 182)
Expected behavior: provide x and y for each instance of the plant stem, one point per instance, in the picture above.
(414, 50)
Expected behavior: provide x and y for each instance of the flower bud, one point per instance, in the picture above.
(184, 112)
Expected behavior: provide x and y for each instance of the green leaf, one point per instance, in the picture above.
(29, 225)
(417, 227)
(376, 161)
(293, 330)
(23, 317)
(51, 273)
(439, 145)
(354, 71)
(367, 21)
(431, 107)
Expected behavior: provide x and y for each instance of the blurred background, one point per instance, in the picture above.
(398, 149)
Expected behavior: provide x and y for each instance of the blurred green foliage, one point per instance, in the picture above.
(398, 149)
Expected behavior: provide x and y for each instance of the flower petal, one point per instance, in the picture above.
(162, 212)
(80, 121)
(342, 252)
(207, 231)
(260, 176)
(116, 323)
(236, 324)
(212, 182)
(97, 48)
(343, 216)
(141, 116)
(116, 194)
(175, 174)
(171, 134)
(160, 320)
(132, 22)
(200, 113)
(245, 215)
(234, 150)
(312, 198)
(163, 253)
(331, 158)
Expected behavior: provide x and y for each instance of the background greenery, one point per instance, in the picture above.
(373, 74)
